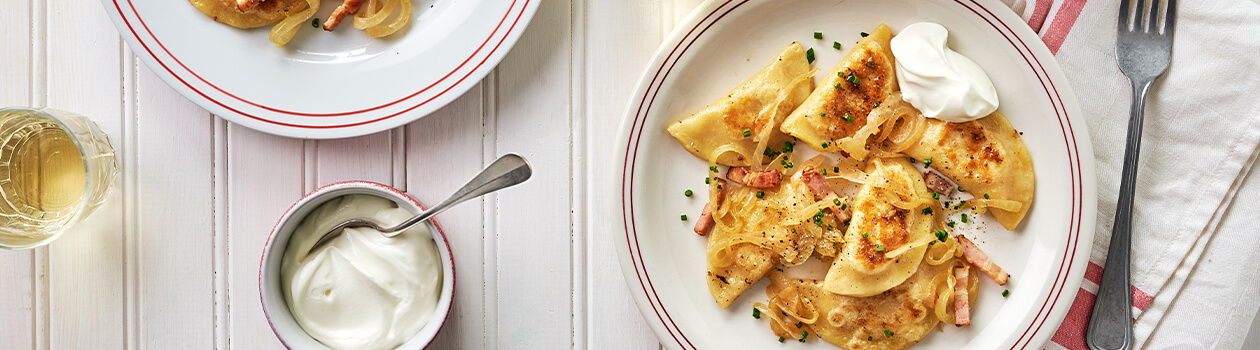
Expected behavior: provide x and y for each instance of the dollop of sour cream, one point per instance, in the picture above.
(361, 290)
(941, 83)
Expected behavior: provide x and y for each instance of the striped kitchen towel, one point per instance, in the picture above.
(1200, 138)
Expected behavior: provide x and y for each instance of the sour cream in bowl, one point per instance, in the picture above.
(361, 290)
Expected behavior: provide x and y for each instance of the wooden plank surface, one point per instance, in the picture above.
(22, 272)
(533, 227)
(616, 322)
(265, 177)
(86, 265)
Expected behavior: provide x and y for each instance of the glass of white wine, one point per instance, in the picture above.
(56, 167)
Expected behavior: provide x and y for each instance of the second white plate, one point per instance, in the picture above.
(323, 84)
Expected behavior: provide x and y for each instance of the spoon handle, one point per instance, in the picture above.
(507, 171)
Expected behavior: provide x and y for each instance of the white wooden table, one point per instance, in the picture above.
(171, 260)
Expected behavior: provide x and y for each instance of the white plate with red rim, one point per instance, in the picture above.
(724, 42)
(323, 84)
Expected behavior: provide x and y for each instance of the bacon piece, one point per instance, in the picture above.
(962, 309)
(816, 183)
(346, 8)
(246, 5)
(706, 216)
(938, 183)
(706, 220)
(759, 179)
(821, 189)
(981, 261)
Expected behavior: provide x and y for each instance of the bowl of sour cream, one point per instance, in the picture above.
(361, 290)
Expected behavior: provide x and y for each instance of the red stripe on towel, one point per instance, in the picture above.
(1093, 273)
(1071, 333)
(1041, 9)
(1141, 299)
(1063, 22)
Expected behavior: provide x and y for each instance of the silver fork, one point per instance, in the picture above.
(1142, 51)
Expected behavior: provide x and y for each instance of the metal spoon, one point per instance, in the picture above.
(507, 171)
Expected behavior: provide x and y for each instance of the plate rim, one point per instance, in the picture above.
(1061, 96)
(374, 118)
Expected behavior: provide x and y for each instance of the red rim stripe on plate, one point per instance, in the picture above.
(1051, 91)
(145, 45)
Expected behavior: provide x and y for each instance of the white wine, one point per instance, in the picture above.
(43, 176)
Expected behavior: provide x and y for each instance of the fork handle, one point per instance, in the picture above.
(1111, 324)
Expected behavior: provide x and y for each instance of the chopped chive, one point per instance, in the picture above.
(687, 193)
(837, 201)
(936, 195)
(848, 118)
(865, 234)
(879, 248)
(864, 34)
(804, 334)
(870, 64)
(1006, 293)
(787, 146)
(823, 114)
(870, 338)
(817, 35)
(706, 180)
(960, 189)
(838, 86)
(835, 45)
(927, 162)
(927, 211)
(809, 55)
(747, 132)
(986, 196)
(719, 186)
(951, 223)
(875, 105)
(835, 170)
(844, 206)
(824, 145)
(887, 333)
(315, 22)
(799, 324)
(824, 171)
(852, 78)
(713, 168)
(761, 194)
(756, 313)
(964, 218)
(941, 235)
(684, 217)
(781, 339)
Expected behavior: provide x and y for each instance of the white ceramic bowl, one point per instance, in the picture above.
(273, 302)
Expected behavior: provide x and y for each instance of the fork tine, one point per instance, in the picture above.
(1123, 23)
(1170, 17)
(1153, 25)
(1137, 16)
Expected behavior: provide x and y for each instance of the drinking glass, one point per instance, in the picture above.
(56, 167)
